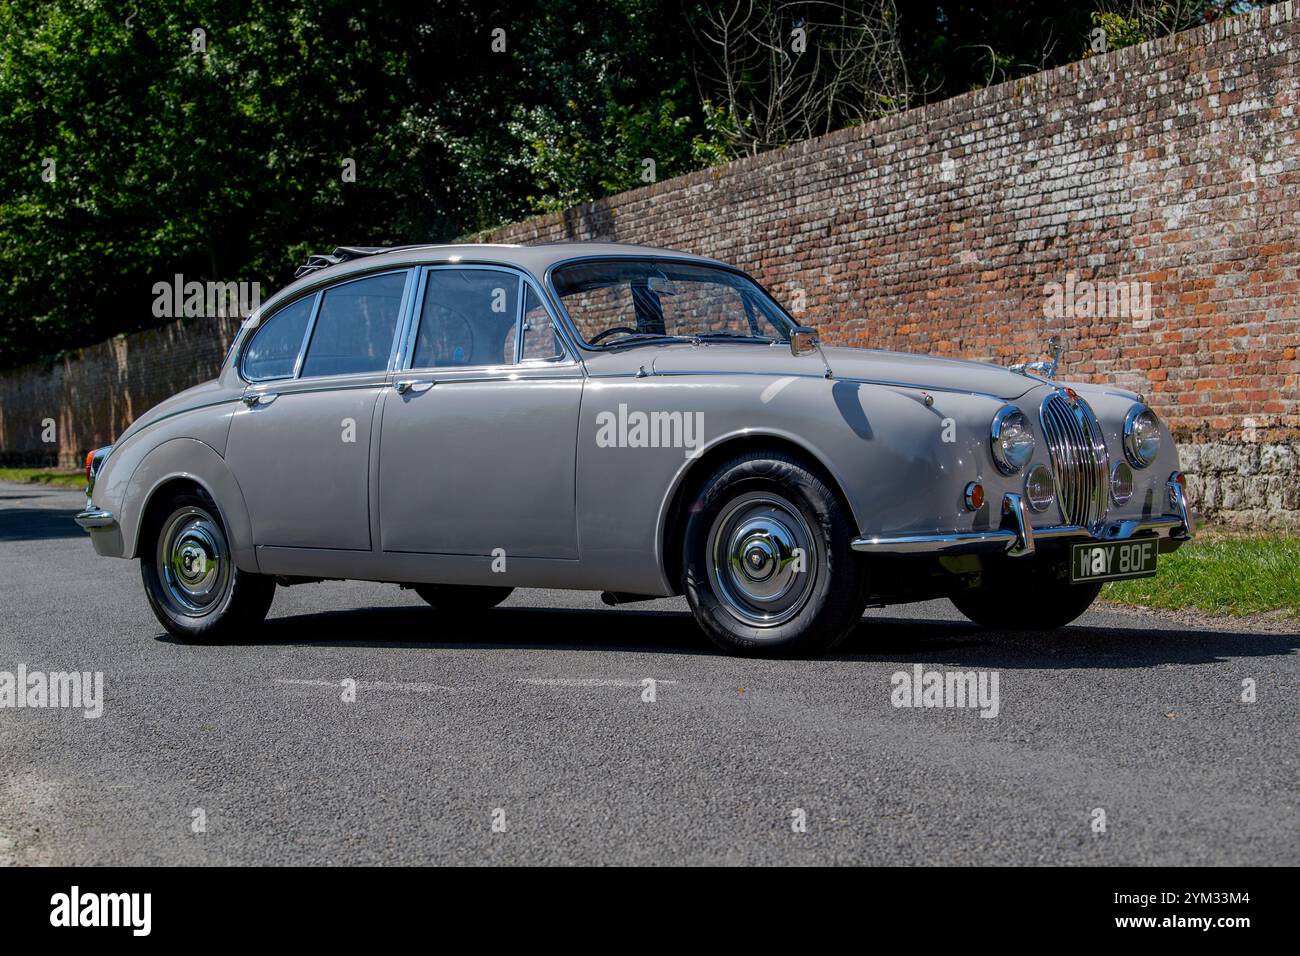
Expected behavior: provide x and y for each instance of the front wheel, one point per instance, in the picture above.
(767, 562)
(1033, 603)
(192, 584)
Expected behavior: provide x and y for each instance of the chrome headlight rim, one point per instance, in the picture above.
(1119, 475)
(1039, 501)
(1004, 419)
(1135, 458)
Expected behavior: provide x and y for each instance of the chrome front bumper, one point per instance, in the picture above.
(1018, 539)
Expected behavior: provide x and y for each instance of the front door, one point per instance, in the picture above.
(479, 429)
(300, 449)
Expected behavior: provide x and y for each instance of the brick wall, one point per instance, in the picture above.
(943, 229)
(92, 394)
(1173, 166)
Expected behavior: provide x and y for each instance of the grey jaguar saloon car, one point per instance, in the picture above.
(469, 419)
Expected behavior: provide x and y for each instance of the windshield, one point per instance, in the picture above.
(631, 301)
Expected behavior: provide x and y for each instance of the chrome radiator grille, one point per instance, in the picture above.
(1079, 459)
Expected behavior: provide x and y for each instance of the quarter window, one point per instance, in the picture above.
(275, 346)
(540, 339)
(354, 330)
(468, 318)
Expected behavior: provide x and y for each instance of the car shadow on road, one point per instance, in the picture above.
(37, 524)
(875, 640)
(666, 632)
(959, 644)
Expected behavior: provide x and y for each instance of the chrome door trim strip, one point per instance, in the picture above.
(819, 376)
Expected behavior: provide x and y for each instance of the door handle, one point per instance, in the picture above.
(260, 398)
(412, 386)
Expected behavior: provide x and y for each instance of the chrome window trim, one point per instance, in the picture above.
(263, 324)
(322, 383)
(320, 301)
(317, 290)
(519, 321)
(403, 316)
(306, 339)
(406, 361)
(526, 286)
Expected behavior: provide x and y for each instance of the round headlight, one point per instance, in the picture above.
(1121, 483)
(1040, 487)
(1141, 436)
(1012, 441)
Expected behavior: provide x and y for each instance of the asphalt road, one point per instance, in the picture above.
(536, 715)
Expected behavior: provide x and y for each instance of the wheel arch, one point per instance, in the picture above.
(188, 464)
(673, 513)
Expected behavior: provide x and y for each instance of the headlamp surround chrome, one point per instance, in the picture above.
(1142, 438)
(1011, 440)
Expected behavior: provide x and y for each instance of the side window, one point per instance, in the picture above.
(355, 327)
(540, 339)
(468, 318)
(275, 346)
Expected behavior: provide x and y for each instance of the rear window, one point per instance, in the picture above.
(355, 328)
(276, 344)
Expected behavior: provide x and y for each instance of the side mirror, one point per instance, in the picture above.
(803, 340)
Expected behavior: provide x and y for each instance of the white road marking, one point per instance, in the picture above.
(365, 684)
(587, 681)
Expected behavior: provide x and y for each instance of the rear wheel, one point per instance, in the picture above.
(192, 584)
(768, 567)
(1026, 602)
(462, 598)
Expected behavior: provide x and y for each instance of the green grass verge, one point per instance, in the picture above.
(1222, 575)
(42, 476)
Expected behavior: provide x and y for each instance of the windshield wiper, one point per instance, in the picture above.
(737, 336)
(644, 338)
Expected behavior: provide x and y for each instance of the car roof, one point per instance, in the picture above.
(535, 258)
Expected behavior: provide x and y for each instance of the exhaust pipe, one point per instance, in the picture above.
(615, 598)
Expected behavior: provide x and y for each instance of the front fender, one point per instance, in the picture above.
(191, 460)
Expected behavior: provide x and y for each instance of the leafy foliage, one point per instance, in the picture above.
(136, 148)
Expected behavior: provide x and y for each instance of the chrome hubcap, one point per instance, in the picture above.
(762, 559)
(194, 562)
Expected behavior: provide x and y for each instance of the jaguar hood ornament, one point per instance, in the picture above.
(1047, 369)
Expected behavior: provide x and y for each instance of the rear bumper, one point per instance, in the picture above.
(1017, 538)
(105, 533)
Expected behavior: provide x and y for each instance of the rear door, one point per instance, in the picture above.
(300, 448)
